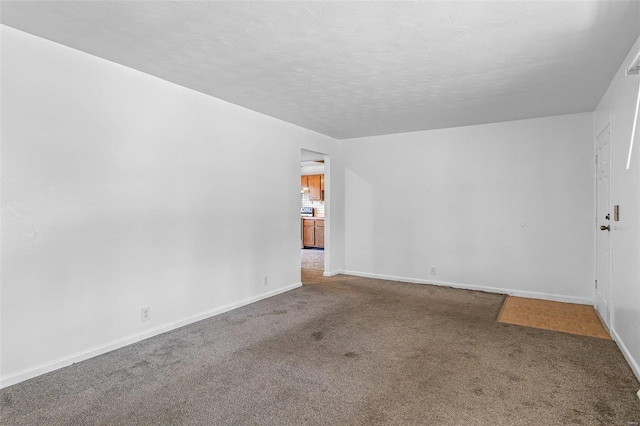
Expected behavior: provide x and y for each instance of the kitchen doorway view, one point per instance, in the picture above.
(312, 211)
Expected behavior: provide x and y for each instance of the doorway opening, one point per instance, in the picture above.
(314, 202)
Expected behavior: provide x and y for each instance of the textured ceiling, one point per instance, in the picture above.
(349, 69)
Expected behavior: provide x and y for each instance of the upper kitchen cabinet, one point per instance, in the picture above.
(315, 187)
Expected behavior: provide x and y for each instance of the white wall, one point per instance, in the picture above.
(505, 206)
(121, 190)
(618, 107)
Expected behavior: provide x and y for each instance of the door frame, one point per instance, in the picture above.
(607, 322)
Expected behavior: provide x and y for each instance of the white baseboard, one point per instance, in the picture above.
(510, 292)
(553, 297)
(331, 274)
(633, 363)
(44, 368)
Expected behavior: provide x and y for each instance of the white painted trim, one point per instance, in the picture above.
(331, 274)
(38, 370)
(511, 292)
(633, 66)
(633, 363)
(601, 132)
(633, 129)
(552, 297)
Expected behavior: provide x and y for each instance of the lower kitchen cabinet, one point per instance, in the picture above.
(319, 234)
(313, 232)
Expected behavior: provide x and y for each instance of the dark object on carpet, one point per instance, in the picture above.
(557, 316)
(343, 350)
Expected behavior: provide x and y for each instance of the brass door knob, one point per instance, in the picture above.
(605, 228)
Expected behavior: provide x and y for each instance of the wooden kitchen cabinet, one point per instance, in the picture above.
(308, 232)
(315, 193)
(319, 233)
(315, 183)
(313, 232)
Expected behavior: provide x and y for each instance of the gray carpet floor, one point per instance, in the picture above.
(343, 350)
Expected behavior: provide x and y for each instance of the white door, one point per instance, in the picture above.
(603, 224)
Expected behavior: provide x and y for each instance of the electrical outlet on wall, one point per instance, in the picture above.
(265, 280)
(433, 270)
(145, 313)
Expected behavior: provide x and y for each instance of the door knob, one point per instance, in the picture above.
(605, 228)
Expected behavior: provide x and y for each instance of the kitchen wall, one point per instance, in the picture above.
(618, 108)
(121, 190)
(318, 205)
(503, 207)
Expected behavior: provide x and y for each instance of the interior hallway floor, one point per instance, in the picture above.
(312, 259)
